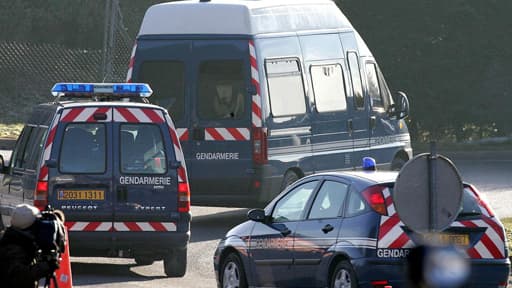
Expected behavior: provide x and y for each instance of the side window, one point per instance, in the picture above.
(329, 200)
(34, 148)
(291, 206)
(356, 204)
(373, 86)
(355, 75)
(167, 80)
(18, 157)
(221, 90)
(384, 90)
(142, 149)
(82, 149)
(329, 88)
(285, 87)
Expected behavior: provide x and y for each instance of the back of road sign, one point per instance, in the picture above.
(428, 193)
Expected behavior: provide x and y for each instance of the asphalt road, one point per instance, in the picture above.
(490, 172)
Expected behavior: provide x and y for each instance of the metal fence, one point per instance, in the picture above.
(29, 70)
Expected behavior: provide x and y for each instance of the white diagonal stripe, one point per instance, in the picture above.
(78, 226)
(170, 226)
(480, 247)
(118, 117)
(145, 226)
(140, 115)
(104, 226)
(120, 226)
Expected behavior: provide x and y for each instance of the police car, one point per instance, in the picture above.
(114, 166)
(342, 230)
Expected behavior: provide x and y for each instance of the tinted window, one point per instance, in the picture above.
(142, 149)
(373, 86)
(329, 200)
(356, 204)
(166, 78)
(83, 148)
(20, 149)
(34, 148)
(329, 88)
(469, 205)
(221, 90)
(291, 206)
(285, 87)
(355, 75)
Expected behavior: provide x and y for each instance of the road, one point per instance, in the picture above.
(490, 172)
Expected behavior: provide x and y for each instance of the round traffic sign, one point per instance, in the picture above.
(428, 193)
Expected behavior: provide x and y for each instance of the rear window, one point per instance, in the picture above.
(83, 149)
(142, 149)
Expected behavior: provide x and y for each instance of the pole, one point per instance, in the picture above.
(432, 174)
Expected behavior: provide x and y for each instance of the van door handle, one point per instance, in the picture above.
(373, 122)
(198, 134)
(350, 126)
(327, 228)
(122, 194)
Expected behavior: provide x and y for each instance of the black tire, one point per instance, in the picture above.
(175, 263)
(144, 261)
(397, 164)
(343, 276)
(232, 274)
(288, 179)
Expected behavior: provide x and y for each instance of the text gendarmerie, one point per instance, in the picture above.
(217, 156)
(144, 180)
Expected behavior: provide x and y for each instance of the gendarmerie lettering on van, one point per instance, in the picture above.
(289, 86)
(93, 151)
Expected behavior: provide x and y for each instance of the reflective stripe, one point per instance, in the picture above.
(121, 226)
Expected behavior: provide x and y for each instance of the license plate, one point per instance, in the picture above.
(81, 195)
(448, 239)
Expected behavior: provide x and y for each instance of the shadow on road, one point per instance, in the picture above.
(106, 273)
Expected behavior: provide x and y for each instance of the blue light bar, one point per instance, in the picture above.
(95, 89)
(369, 164)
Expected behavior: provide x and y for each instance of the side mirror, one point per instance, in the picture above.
(402, 105)
(51, 163)
(174, 164)
(257, 215)
(3, 169)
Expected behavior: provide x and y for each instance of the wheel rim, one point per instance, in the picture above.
(342, 279)
(231, 276)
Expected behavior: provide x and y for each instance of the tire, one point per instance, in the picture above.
(232, 273)
(175, 263)
(397, 164)
(144, 261)
(343, 276)
(288, 179)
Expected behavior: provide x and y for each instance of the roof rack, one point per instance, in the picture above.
(101, 91)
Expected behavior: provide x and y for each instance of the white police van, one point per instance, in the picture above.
(113, 166)
(266, 92)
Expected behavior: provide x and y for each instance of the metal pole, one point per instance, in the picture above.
(105, 40)
(432, 186)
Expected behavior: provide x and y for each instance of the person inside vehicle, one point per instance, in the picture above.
(18, 251)
(228, 101)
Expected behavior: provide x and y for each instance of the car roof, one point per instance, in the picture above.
(73, 104)
(373, 177)
(242, 17)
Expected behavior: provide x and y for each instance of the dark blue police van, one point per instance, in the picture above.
(266, 92)
(114, 167)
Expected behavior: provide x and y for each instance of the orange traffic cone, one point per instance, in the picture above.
(63, 274)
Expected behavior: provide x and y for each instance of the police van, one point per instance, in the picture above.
(266, 92)
(114, 166)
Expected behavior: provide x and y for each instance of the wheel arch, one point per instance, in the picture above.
(244, 262)
(334, 262)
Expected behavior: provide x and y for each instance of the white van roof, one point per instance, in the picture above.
(242, 17)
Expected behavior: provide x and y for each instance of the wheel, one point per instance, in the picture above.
(343, 276)
(397, 164)
(175, 263)
(233, 275)
(143, 260)
(288, 179)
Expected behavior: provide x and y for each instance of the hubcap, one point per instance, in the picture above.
(231, 276)
(342, 279)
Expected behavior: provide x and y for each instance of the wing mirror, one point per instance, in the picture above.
(400, 109)
(257, 215)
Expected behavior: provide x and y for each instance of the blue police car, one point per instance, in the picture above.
(342, 230)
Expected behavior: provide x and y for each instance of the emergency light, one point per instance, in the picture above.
(93, 89)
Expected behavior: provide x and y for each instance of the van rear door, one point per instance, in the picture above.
(144, 186)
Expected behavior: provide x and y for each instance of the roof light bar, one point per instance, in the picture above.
(94, 89)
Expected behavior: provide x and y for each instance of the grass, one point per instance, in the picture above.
(507, 222)
(10, 130)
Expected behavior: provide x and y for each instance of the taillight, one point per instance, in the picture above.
(41, 195)
(259, 145)
(373, 195)
(380, 284)
(183, 197)
(481, 201)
